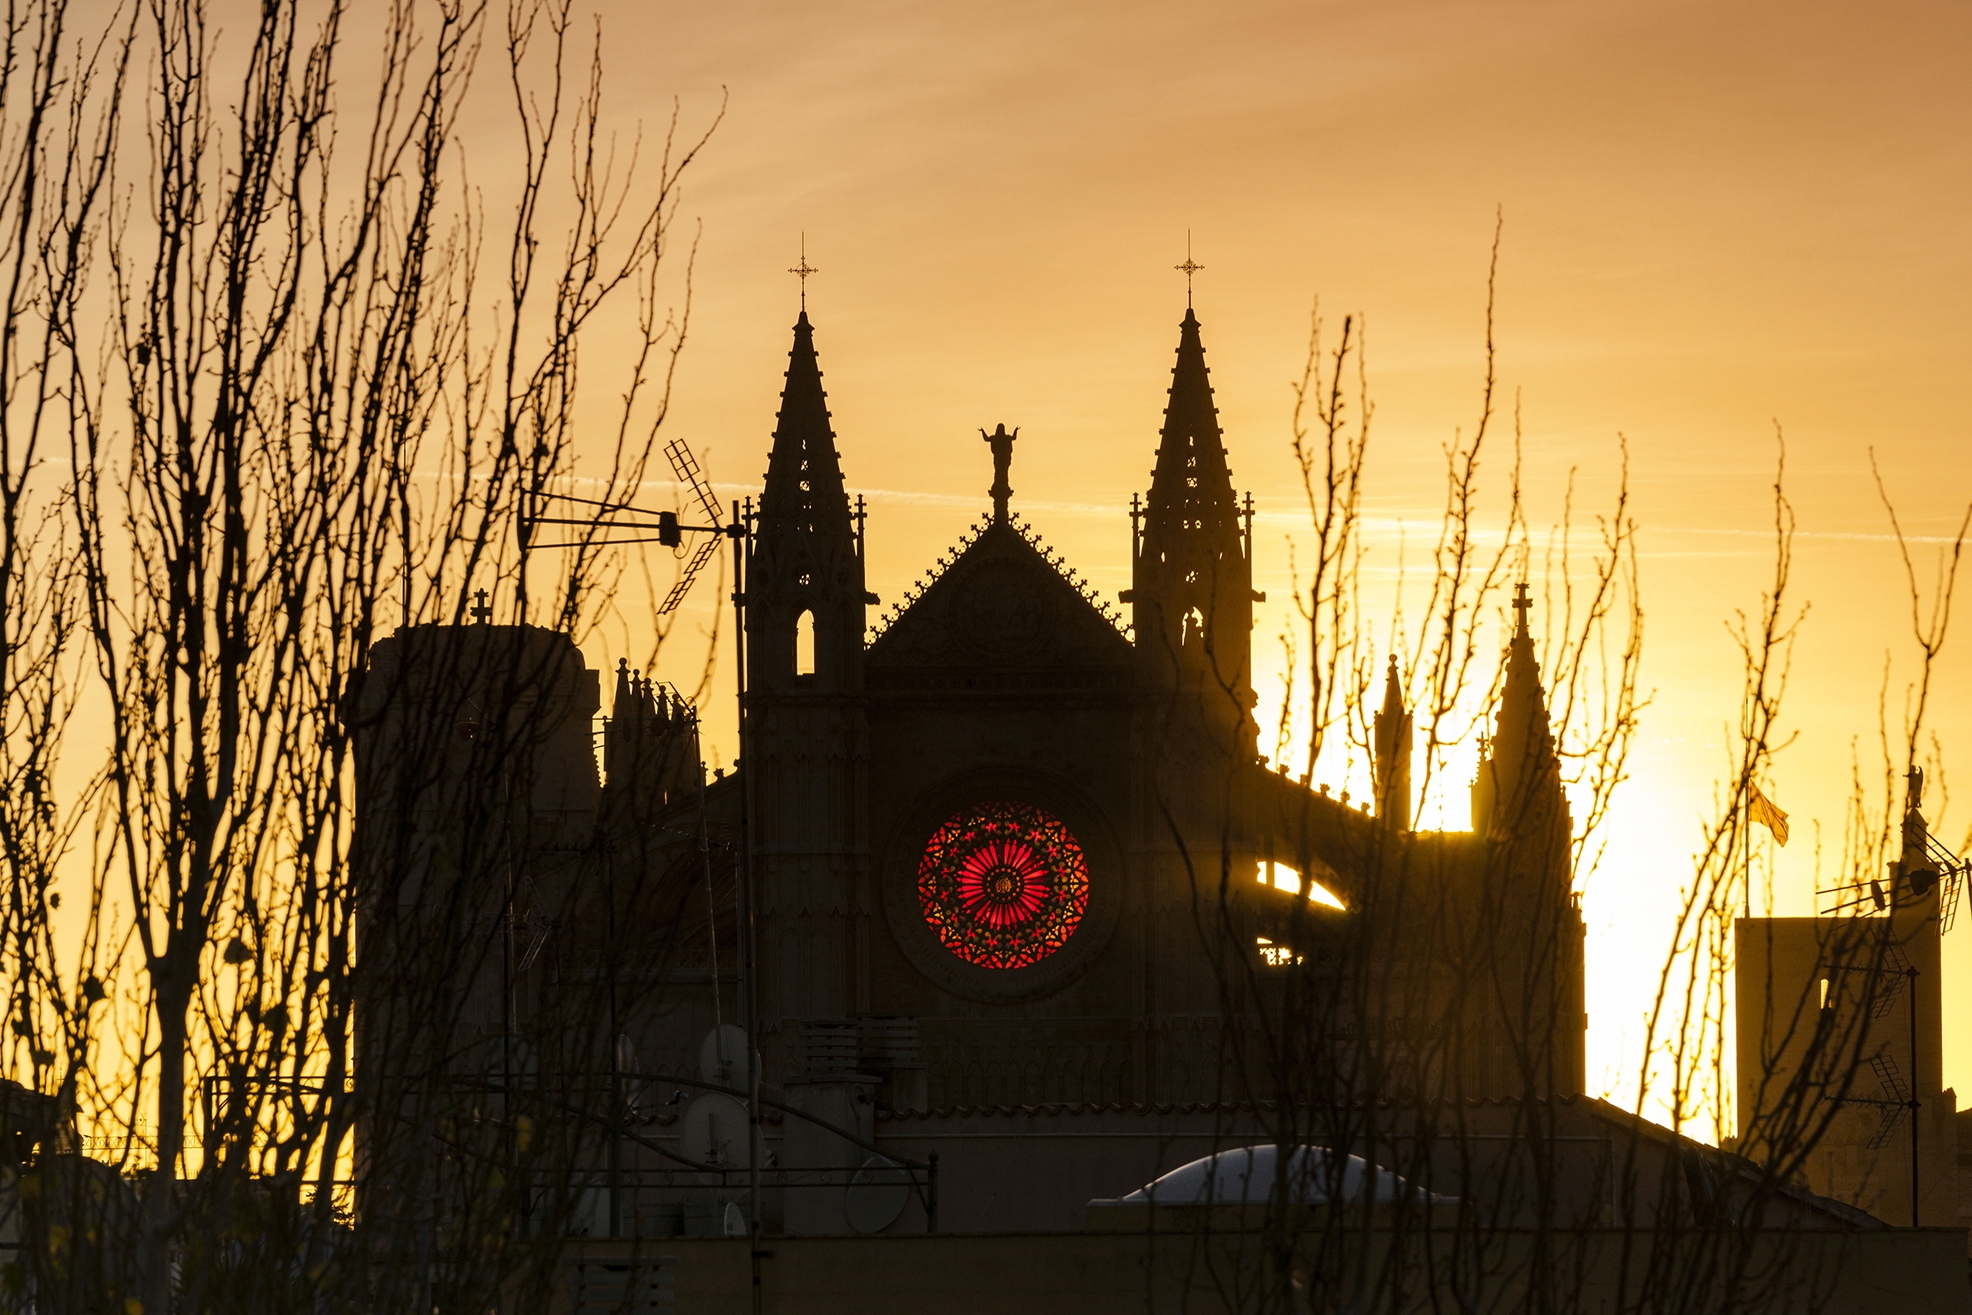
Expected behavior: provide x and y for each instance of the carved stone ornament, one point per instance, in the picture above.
(1001, 612)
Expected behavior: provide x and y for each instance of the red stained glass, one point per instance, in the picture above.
(1003, 885)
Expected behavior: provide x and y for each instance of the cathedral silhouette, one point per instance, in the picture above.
(995, 816)
(1025, 901)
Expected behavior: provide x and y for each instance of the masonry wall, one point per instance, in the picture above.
(1096, 1273)
(1820, 1000)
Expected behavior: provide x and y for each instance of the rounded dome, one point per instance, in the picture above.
(1245, 1175)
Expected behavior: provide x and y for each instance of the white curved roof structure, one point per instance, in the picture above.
(1246, 1175)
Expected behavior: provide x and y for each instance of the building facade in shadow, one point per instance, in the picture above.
(1013, 859)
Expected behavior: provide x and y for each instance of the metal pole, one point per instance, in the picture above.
(1746, 833)
(618, 1115)
(507, 981)
(931, 1192)
(749, 978)
(1916, 1081)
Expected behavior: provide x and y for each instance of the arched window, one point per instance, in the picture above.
(804, 644)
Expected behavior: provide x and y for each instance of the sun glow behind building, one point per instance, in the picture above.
(1716, 221)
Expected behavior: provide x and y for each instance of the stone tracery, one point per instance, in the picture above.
(1003, 884)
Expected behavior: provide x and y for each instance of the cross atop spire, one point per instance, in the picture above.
(1518, 793)
(804, 269)
(1522, 741)
(1189, 268)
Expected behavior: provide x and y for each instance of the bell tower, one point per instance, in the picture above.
(1525, 919)
(807, 733)
(1192, 568)
(805, 595)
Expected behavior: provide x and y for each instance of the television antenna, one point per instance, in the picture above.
(1938, 867)
(1850, 899)
(1897, 1099)
(611, 519)
(616, 518)
(1895, 1102)
(1887, 977)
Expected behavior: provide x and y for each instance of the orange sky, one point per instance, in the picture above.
(1718, 217)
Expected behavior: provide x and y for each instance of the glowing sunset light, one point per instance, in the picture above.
(1283, 877)
(645, 636)
(1721, 225)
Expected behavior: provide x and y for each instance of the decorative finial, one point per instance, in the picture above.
(804, 269)
(482, 611)
(1189, 268)
(1002, 443)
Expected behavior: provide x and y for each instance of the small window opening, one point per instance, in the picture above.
(1275, 956)
(1282, 877)
(1824, 993)
(804, 644)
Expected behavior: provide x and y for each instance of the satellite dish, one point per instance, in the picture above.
(877, 1193)
(629, 1086)
(712, 1131)
(722, 1057)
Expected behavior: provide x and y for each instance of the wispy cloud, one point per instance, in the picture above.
(1383, 524)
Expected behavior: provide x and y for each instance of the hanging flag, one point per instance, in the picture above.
(1761, 809)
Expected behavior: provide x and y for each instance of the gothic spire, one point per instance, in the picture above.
(1392, 764)
(622, 709)
(804, 572)
(1393, 691)
(1519, 774)
(804, 491)
(1192, 570)
(1523, 740)
(1191, 487)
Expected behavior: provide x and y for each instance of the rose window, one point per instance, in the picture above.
(1003, 885)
